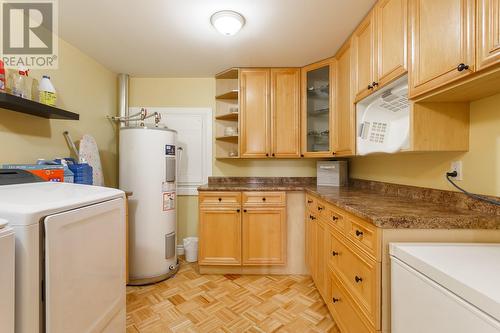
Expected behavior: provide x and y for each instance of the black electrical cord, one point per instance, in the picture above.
(472, 195)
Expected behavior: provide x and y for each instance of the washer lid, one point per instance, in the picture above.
(26, 204)
(471, 271)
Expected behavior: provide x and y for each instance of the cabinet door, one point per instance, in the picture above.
(285, 112)
(317, 100)
(344, 112)
(264, 236)
(364, 53)
(391, 40)
(220, 236)
(254, 111)
(488, 33)
(311, 222)
(442, 43)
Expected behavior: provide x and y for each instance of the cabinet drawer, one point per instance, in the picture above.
(344, 310)
(335, 219)
(364, 235)
(264, 198)
(219, 198)
(359, 274)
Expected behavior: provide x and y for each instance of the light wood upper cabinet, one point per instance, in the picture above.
(441, 43)
(264, 236)
(254, 113)
(391, 40)
(220, 236)
(344, 111)
(285, 112)
(363, 41)
(488, 33)
(317, 101)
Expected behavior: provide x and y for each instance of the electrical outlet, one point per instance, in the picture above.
(457, 166)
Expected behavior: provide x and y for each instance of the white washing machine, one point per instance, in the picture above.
(445, 288)
(6, 277)
(70, 254)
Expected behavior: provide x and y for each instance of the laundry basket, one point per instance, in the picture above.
(191, 249)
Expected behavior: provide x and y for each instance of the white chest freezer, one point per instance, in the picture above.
(445, 288)
(70, 256)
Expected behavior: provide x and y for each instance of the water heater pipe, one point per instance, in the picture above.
(123, 83)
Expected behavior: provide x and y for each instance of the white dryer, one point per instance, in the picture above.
(70, 254)
(6, 278)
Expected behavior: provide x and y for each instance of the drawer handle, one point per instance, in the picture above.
(359, 233)
(334, 253)
(220, 199)
(335, 300)
(309, 201)
(312, 217)
(237, 211)
(462, 67)
(320, 208)
(358, 279)
(263, 199)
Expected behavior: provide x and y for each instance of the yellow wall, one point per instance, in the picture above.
(200, 92)
(84, 87)
(481, 164)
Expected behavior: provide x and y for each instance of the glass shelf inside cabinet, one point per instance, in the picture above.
(318, 111)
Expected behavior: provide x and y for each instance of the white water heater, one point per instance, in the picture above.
(148, 170)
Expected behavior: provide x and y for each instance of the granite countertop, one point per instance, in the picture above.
(393, 212)
(388, 206)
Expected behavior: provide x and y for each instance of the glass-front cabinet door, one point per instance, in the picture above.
(317, 92)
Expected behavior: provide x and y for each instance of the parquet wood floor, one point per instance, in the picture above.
(190, 302)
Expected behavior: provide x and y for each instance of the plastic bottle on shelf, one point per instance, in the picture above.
(20, 88)
(47, 91)
(3, 77)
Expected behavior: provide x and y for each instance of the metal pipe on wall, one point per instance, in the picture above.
(123, 84)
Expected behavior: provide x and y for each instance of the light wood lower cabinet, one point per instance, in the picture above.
(264, 236)
(242, 232)
(220, 236)
(343, 256)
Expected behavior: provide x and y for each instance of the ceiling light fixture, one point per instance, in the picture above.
(227, 22)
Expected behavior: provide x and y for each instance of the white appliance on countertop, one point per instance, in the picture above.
(383, 120)
(7, 276)
(148, 170)
(445, 288)
(70, 254)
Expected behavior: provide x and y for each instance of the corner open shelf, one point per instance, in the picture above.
(226, 114)
(22, 105)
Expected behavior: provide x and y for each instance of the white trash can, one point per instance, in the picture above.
(191, 248)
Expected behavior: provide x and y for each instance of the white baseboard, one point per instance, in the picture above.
(180, 250)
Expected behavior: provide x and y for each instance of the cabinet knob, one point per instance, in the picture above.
(273, 155)
(237, 211)
(301, 155)
(335, 300)
(267, 154)
(334, 253)
(244, 210)
(312, 217)
(320, 208)
(263, 199)
(375, 84)
(359, 233)
(334, 218)
(370, 87)
(334, 153)
(309, 201)
(358, 279)
(462, 67)
(220, 199)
